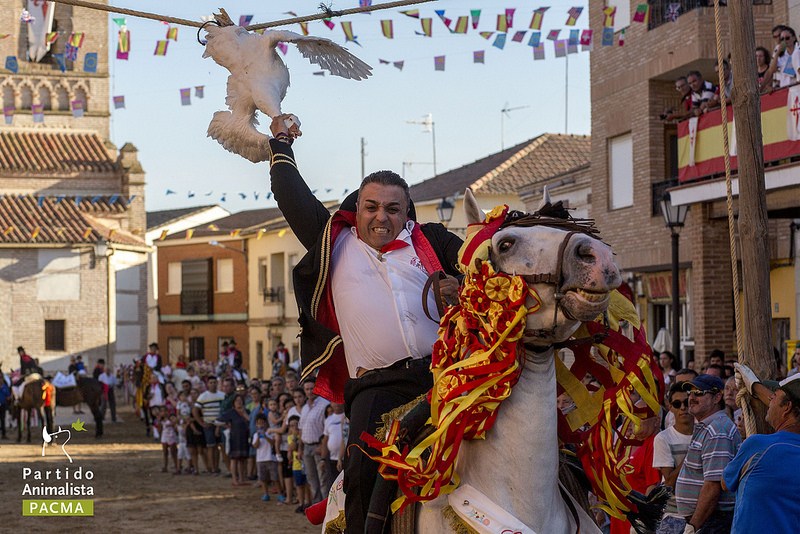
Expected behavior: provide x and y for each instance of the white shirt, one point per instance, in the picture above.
(333, 429)
(789, 67)
(378, 300)
(312, 420)
(108, 379)
(151, 360)
(264, 449)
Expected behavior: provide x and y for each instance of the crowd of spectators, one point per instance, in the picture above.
(213, 420)
(776, 69)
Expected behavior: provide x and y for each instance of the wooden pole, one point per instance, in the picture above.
(756, 317)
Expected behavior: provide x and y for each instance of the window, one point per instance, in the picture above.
(225, 275)
(197, 348)
(196, 295)
(293, 259)
(620, 172)
(174, 348)
(54, 335)
(277, 270)
(174, 279)
(262, 274)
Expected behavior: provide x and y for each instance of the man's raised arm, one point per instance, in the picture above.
(305, 214)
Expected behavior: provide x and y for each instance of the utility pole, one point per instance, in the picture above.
(363, 155)
(566, 95)
(505, 113)
(756, 319)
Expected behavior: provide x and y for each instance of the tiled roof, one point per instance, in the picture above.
(39, 151)
(238, 221)
(507, 171)
(160, 218)
(26, 219)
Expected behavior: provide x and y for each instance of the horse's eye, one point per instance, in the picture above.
(505, 245)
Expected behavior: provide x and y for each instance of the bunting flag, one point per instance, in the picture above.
(384, 61)
(51, 37)
(538, 16)
(12, 64)
(438, 63)
(38, 112)
(609, 13)
(560, 47)
(502, 23)
(398, 65)
(189, 233)
(347, 28)
(71, 52)
(198, 91)
(76, 39)
(476, 17)
(329, 23)
(622, 37)
(642, 14)
(119, 102)
(500, 41)
(35, 232)
(260, 31)
(61, 61)
(283, 47)
(186, 96)
(553, 35)
(574, 13)
(213, 227)
(304, 28)
(41, 200)
(88, 232)
(574, 38)
(586, 38)
(123, 44)
(77, 108)
(244, 20)
(572, 48)
(478, 56)
(161, 48)
(90, 62)
(172, 33)
(486, 35)
(461, 25)
(536, 38)
(261, 232)
(538, 52)
(413, 13)
(169, 192)
(163, 236)
(446, 21)
(190, 194)
(8, 230)
(608, 36)
(364, 3)
(518, 36)
(673, 12)
(510, 17)
(319, 73)
(121, 22)
(427, 27)
(236, 232)
(387, 27)
(8, 114)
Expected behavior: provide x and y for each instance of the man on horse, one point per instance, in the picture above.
(27, 365)
(366, 266)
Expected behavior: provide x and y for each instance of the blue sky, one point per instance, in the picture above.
(465, 99)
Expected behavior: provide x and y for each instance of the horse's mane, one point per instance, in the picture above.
(553, 216)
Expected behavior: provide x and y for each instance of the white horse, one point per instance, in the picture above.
(516, 467)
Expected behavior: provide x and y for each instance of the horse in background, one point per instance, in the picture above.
(37, 396)
(89, 391)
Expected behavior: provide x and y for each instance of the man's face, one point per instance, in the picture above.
(776, 408)
(715, 360)
(703, 403)
(730, 392)
(275, 388)
(682, 86)
(291, 384)
(227, 387)
(695, 82)
(212, 385)
(308, 387)
(679, 406)
(381, 214)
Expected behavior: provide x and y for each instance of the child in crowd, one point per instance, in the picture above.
(281, 435)
(167, 425)
(300, 483)
(184, 411)
(264, 455)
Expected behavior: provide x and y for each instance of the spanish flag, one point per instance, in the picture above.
(172, 33)
(387, 27)
(76, 39)
(161, 48)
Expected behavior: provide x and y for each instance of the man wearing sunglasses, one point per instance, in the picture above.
(707, 508)
(669, 450)
(764, 472)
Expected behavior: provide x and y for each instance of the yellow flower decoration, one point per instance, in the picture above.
(497, 288)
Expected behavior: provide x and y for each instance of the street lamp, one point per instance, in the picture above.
(445, 211)
(674, 217)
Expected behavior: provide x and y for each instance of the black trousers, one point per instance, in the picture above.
(366, 399)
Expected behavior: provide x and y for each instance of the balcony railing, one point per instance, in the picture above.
(197, 302)
(700, 154)
(272, 294)
(664, 11)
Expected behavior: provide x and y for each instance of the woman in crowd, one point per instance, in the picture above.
(238, 420)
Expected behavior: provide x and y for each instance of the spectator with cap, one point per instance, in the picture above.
(766, 498)
(707, 508)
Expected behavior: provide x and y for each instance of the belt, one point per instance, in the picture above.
(411, 363)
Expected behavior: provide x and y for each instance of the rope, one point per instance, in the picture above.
(184, 22)
(743, 399)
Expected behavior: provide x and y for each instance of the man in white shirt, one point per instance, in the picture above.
(312, 425)
(359, 291)
(669, 450)
(332, 446)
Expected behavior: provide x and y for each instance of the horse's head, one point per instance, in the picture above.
(572, 271)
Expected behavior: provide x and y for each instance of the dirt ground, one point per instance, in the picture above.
(130, 492)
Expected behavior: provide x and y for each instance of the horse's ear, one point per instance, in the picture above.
(471, 209)
(545, 199)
